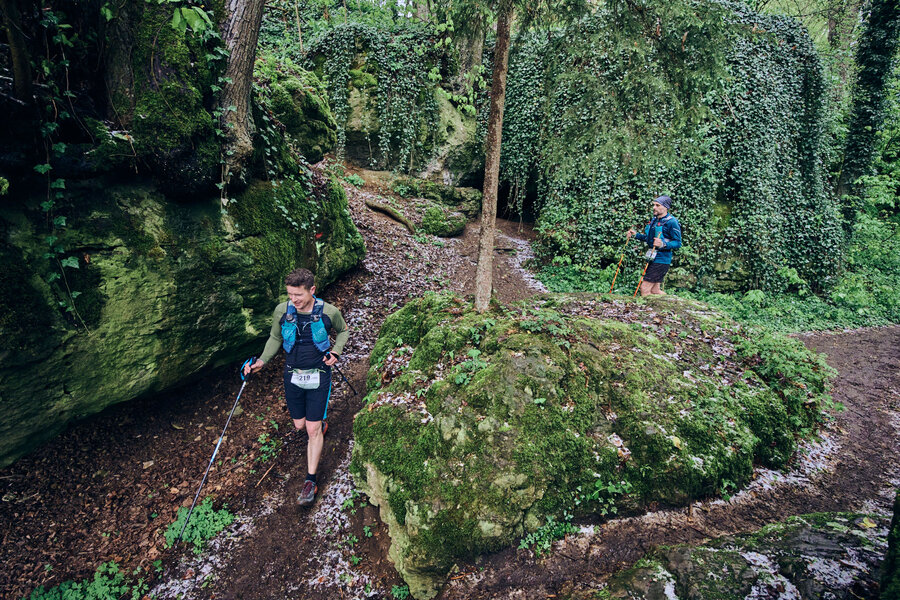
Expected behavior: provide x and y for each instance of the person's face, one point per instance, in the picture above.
(659, 210)
(301, 297)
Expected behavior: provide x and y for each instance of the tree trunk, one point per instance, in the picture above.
(119, 73)
(21, 61)
(877, 45)
(242, 23)
(484, 270)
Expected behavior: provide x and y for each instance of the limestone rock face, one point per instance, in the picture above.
(826, 555)
(147, 292)
(478, 428)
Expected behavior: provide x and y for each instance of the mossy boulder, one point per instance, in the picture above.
(160, 291)
(478, 428)
(824, 555)
(298, 100)
(437, 220)
(890, 579)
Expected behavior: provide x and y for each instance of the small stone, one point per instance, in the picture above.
(148, 463)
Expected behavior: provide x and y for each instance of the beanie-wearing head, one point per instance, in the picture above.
(664, 201)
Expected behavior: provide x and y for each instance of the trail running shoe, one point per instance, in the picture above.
(308, 494)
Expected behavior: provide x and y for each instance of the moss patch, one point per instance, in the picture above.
(585, 404)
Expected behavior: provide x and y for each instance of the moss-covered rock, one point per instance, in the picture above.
(298, 100)
(890, 578)
(171, 118)
(478, 428)
(437, 220)
(161, 291)
(825, 555)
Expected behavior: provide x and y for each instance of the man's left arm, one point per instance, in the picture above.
(341, 332)
(673, 240)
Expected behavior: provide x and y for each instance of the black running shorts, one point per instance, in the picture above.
(311, 405)
(656, 272)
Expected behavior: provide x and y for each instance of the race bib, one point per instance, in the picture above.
(306, 379)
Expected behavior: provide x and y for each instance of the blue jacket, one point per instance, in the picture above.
(671, 235)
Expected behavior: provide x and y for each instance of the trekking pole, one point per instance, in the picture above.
(341, 373)
(219, 443)
(650, 256)
(624, 247)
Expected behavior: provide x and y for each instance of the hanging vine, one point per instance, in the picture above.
(400, 63)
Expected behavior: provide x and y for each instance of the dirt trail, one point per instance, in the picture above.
(90, 496)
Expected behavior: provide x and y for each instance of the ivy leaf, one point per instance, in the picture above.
(58, 184)
(178, 23)
(60, 221)
(43, 169)
(71, 262)
(193, 18)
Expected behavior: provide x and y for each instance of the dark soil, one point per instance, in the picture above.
(92, 495)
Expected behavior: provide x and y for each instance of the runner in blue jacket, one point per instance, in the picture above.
(662, 235)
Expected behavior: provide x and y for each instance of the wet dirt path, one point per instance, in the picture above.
(855, 466)
(285, 551)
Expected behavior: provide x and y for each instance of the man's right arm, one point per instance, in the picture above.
(274, 342)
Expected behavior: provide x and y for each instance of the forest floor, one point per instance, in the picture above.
(107, 488)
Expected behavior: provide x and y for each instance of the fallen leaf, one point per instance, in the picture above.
(868, 523)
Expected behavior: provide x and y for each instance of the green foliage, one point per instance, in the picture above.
(729, 121)
(541, 539)
(269, 447)
(108, 583)
(400, 592)
(205, 523)
(405, 104)
(355, 180)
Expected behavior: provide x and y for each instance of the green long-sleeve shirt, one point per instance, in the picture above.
(338, 328)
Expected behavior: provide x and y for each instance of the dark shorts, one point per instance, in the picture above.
(656, 272)
(311, 405)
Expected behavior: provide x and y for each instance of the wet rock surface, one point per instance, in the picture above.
(825, 555)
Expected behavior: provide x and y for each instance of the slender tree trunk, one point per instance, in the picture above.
(242, 23)
(484, 270)
(21, 61)
(874, 54)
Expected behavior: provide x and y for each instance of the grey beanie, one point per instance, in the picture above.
(665, 201)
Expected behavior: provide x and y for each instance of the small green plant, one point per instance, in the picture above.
(269, 447)
(543, 537)
(205, 523)
(355, 560)
(607, 493)
(469, 367)
(351, 540)
(355, 180)
(367, 531)
(400, 592)
(108, 583)
(350, 502)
